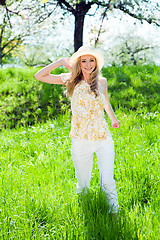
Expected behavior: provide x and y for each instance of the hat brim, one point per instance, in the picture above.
(82, 52)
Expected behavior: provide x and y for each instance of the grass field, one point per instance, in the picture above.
(26, 101)
(38, 197)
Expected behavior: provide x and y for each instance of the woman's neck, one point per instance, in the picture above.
(86, 78)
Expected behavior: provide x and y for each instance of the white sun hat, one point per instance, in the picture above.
(88, 51)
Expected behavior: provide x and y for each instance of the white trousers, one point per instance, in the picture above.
(82, 155)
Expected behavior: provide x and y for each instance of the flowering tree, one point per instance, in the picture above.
(132, 50)
(39, 10)
(17, 21)
(11, 35)
(7, 42)
(143, 10)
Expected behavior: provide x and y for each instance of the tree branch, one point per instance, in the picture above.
(99, 3)
(133, 52)
(4, 54)
(12, 40)
(11, 11)
(66, 6)
(140, 17)
(142, 49)
(2, 29)
(44, 17)
(103, 16)
(8, 16)
(3, 3)
(93, 13)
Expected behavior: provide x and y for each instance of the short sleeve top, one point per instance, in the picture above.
(88, 122)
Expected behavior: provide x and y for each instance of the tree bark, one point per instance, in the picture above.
(2, 2)
(79, 14)
(78, 31)
(0, 57)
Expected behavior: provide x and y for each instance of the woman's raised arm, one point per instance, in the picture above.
(44, 74)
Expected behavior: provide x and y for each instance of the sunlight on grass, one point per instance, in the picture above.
(38, 197)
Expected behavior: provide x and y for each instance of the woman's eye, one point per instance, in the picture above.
(92, 60)
(83, 61)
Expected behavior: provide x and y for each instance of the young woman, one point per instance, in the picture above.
(88, 92)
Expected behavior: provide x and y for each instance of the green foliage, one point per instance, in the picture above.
(24, 100)
(134, 87)
(38, 197)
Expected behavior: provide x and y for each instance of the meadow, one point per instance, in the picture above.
(26, 101)
(38, 197)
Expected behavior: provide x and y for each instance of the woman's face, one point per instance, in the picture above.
(87, 64)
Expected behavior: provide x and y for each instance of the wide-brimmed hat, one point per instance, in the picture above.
(88, 51)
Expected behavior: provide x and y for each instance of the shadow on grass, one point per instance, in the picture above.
(100, 221)
(135, 87)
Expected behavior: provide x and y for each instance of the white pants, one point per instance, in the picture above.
(82, 155)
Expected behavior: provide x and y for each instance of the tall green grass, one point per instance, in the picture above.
(38, 197)
(26, 101)
(134, 87)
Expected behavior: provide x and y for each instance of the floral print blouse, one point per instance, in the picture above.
(88, 121)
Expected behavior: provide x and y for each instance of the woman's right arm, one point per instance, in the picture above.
(44, 74)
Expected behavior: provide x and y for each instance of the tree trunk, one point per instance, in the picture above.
(2, 2)
(1, 54)
(78, 31)
(0, 57)
(79, 14)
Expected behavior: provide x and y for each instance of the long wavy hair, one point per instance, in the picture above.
(77, 76)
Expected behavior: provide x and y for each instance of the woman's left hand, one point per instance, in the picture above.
(116, 124)
(66, 63)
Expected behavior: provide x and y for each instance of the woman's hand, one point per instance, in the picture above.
(66, 62)
(116, 124)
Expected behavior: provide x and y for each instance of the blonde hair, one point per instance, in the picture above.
(76, 77)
